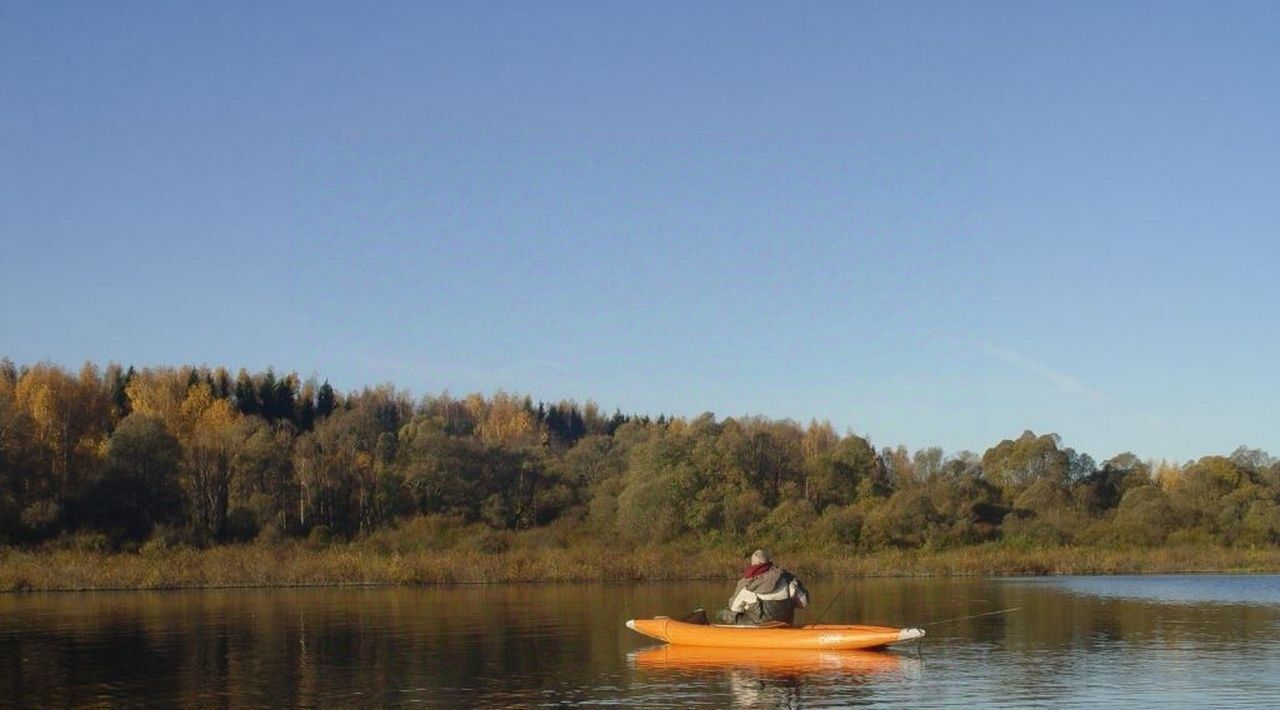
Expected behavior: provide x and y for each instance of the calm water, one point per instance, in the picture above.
(1084, 641)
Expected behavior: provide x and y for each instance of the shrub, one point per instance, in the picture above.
(242, 524)
(743, 510)
(270, 534)
(1033, 531)
(41, 517)
(1261, 524)
(166, 537)
(648, 511)
(904, 520)
(787, 524)
(840, 524)
(93, 542)
(319, 536)
(494, 542)
(602, 511)
(424, 532)
(1145, 516)
(1042, 496)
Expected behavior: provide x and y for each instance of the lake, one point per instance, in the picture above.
(1075, 641)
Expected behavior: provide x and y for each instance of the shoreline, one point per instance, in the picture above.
(354, 565)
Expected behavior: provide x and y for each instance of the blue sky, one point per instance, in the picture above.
(931, 223)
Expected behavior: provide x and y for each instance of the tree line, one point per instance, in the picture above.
(204, 457)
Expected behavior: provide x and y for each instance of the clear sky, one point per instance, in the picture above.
(931, 223)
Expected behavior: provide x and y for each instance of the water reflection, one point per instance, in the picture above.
(1174, 589)
(1074, 642)
(783, 678)
(309, 648)
(795, 663)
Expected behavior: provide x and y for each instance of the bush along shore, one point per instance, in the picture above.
(368, 563)
(192, 476)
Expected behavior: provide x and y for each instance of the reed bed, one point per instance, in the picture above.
(293, 564)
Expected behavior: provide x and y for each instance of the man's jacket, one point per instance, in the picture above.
(770, 594)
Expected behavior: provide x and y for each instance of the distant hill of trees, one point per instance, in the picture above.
(204, 457)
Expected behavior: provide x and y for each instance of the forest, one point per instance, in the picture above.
(118, 459)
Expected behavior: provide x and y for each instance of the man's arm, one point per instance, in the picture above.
(799, 595)
(742, 599)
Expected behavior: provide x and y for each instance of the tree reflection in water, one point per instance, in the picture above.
(1075, 642)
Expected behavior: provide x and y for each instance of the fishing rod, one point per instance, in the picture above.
(828, 606)
(971, 616)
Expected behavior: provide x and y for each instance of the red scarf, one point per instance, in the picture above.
(756, 570)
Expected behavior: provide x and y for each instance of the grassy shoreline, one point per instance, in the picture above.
(298, 565)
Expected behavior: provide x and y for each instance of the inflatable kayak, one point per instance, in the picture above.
(830, 637)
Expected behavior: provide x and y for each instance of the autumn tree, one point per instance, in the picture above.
(849, 472)
(899, 467)
(443, 474)
(1200, 493)
(1014, 464)
(262, 476)
(140, 486)
(68, 415)
(927, 463)
(27, 509)
(1145, 516)
(211, 439)
(659, 484)
(907, 519)
(1102, 489)
(504, 419)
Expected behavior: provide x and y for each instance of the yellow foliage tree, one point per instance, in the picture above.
(67, 413)
(1166, 475)
(207, 426)
(818, 439)
(160, 393)
(507, 420)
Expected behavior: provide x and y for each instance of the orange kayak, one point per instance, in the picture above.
(780, 661)
(829, 637)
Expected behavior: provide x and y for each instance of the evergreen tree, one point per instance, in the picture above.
(306, 414)
(617, 420)
(306, 406)
(284, 399)
(555, 423)
(577, 427)
(9, 372)
(246, 396)
(222, 383)
(118, 382)
(326, 401)
(267, 395)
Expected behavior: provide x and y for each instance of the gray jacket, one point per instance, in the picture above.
(773, 595)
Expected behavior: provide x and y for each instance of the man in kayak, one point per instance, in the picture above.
(765, 593)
